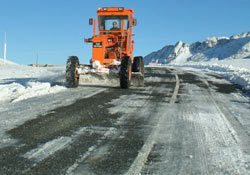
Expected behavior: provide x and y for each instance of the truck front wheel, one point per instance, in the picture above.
(125, 72)
(72, 78)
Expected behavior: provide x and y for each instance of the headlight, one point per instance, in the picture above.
(97, 45)
(110, 40)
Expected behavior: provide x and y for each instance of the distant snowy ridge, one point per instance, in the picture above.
(213, 48)
(226, 56)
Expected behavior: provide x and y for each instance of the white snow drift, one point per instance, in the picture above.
(19, 82)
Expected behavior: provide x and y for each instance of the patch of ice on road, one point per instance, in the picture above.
(110, 132)
(153, 79)
(106, 131)
(127, 103)
(73, 167)
(158, 79)
(48, 149)
(93, 151)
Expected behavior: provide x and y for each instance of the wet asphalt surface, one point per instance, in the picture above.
(121, 148)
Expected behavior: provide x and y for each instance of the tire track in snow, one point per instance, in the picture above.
(141, 158)
(201, 145)
(230, 139)
(218, 149)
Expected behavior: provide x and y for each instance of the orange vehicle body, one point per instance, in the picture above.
(112, 52)
(109, 46)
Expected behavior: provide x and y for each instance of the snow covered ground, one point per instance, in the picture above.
(19, 82)
(236, 71)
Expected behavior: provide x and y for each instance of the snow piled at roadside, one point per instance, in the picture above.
(237, 71)
(15, 92)
(20, 82)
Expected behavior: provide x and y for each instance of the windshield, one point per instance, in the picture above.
(113, 22)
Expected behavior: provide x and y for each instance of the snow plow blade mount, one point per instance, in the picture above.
(109, 79)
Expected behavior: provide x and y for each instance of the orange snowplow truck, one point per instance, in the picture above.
(112, 46)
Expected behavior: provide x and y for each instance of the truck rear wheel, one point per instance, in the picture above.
(138, 65)
(72, 78)
(125, 72)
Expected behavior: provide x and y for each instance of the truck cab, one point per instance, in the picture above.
(114, 37)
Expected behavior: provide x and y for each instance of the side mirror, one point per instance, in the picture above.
(91, 21)
(134, 22)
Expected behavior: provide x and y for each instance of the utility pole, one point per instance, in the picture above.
(4, 47)
(4, 51)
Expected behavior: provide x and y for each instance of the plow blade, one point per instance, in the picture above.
(99, 79)
(108, 79)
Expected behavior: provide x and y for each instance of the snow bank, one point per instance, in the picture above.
(15, 92)
(19, 82)
(236, 71)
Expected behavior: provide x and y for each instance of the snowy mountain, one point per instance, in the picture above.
(213, 48)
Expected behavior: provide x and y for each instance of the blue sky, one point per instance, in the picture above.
(56, 28)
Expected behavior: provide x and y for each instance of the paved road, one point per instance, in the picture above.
(180, 122)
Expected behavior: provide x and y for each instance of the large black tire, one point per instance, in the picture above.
(138, 65)
(142, 66)
(125, 73)
(71, 80)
